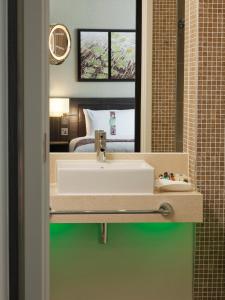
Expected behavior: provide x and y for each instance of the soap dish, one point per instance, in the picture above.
(165, 185)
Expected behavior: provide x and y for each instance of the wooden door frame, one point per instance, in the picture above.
(4, 241)
(28, 148)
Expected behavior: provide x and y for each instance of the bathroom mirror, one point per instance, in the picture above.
(93, 102)
(59, 44)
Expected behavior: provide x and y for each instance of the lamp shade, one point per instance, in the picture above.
(59, 107)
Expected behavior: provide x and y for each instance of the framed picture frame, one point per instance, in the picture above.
(106, 55)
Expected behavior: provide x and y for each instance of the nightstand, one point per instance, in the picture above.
(59, 146)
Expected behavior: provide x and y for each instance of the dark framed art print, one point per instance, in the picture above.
(106, 55)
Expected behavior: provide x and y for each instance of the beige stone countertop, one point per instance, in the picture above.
(187, 206)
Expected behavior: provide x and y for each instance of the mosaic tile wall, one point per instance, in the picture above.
(164, 75)
(205, 99)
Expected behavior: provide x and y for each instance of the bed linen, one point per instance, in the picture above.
(87, 144)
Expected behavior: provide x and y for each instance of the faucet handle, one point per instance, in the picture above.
(100, 140)
(100, 134)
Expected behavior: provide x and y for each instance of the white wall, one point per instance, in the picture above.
(98, 14)
(3, 154)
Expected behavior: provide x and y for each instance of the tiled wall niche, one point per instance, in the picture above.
(191, 83)
(164, 75)
(204, 138)
(167, 75)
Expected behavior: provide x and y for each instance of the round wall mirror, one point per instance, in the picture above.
(59, 44)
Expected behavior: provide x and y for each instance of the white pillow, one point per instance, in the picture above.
(100, 120)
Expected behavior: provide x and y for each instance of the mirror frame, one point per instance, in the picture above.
(54, 59)
(138, 81)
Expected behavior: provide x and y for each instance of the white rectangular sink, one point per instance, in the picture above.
(85, 177)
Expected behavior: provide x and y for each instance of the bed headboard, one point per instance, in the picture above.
(77, 120)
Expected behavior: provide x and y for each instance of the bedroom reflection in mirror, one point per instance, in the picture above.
(100, 89)
(74, 131)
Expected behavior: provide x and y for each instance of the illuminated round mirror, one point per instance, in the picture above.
(59, 44)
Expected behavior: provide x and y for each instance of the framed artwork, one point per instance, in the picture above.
(106, 55)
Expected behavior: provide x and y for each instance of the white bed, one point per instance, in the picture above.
(119, 126)
(86, 144)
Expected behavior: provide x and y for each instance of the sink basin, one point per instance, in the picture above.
(83, 177)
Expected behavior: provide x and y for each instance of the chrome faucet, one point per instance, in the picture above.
(100, 145)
